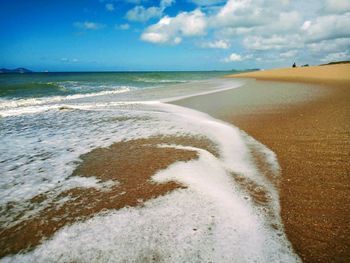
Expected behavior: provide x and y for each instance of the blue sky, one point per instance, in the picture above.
(171, 35)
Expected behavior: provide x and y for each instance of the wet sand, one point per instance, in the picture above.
(308, 127)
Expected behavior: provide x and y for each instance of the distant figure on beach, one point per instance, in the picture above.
(294, 66)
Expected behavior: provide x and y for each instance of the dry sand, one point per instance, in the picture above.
(308, 127)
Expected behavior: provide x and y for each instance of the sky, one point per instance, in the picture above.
(145, 35)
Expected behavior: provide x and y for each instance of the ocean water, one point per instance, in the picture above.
(47, 121)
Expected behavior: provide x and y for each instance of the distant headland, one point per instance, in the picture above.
(17, 70)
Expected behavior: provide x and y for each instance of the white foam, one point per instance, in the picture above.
(209, 222)
(212, 220)
(15, 103)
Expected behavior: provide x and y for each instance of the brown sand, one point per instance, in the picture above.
(308, 127)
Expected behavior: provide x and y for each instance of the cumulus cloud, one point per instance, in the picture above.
(271, 29)
(289, 54)
(223, 44)
(274, 42)
(306, 25)
(336, 7)
(240, 13)
(89, 25)
(329, 46)
(286, 22)
(172, 29)
(234, 57)
(328, 27)
(141, 14)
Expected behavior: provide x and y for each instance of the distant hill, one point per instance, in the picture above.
(17, 70)
(245, 70)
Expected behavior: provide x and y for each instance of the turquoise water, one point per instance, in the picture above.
(37, 85)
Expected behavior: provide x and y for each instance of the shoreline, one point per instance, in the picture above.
(310, 136)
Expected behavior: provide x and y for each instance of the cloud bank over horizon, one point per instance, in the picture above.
(262, 28)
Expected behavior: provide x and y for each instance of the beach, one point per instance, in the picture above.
(308, 126)
(209, 169)
(214, 131)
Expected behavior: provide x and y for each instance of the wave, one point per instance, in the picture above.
(10, 104)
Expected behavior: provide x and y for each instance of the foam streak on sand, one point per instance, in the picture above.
(214, 219)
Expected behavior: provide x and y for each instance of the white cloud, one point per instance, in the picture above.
(273, 30)
(234, 57)
(274, 42)
(289, 54)
(109, 7)
(255, 18)
(287, 22)
(328, 27)
(172, 29)
(89, 25)
(306, 25)
(240, 13)
(337, 56)
(141, 14)
(223, 44)
(329, 46)
(336, 6)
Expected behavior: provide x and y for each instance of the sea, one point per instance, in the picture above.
(48, 121)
